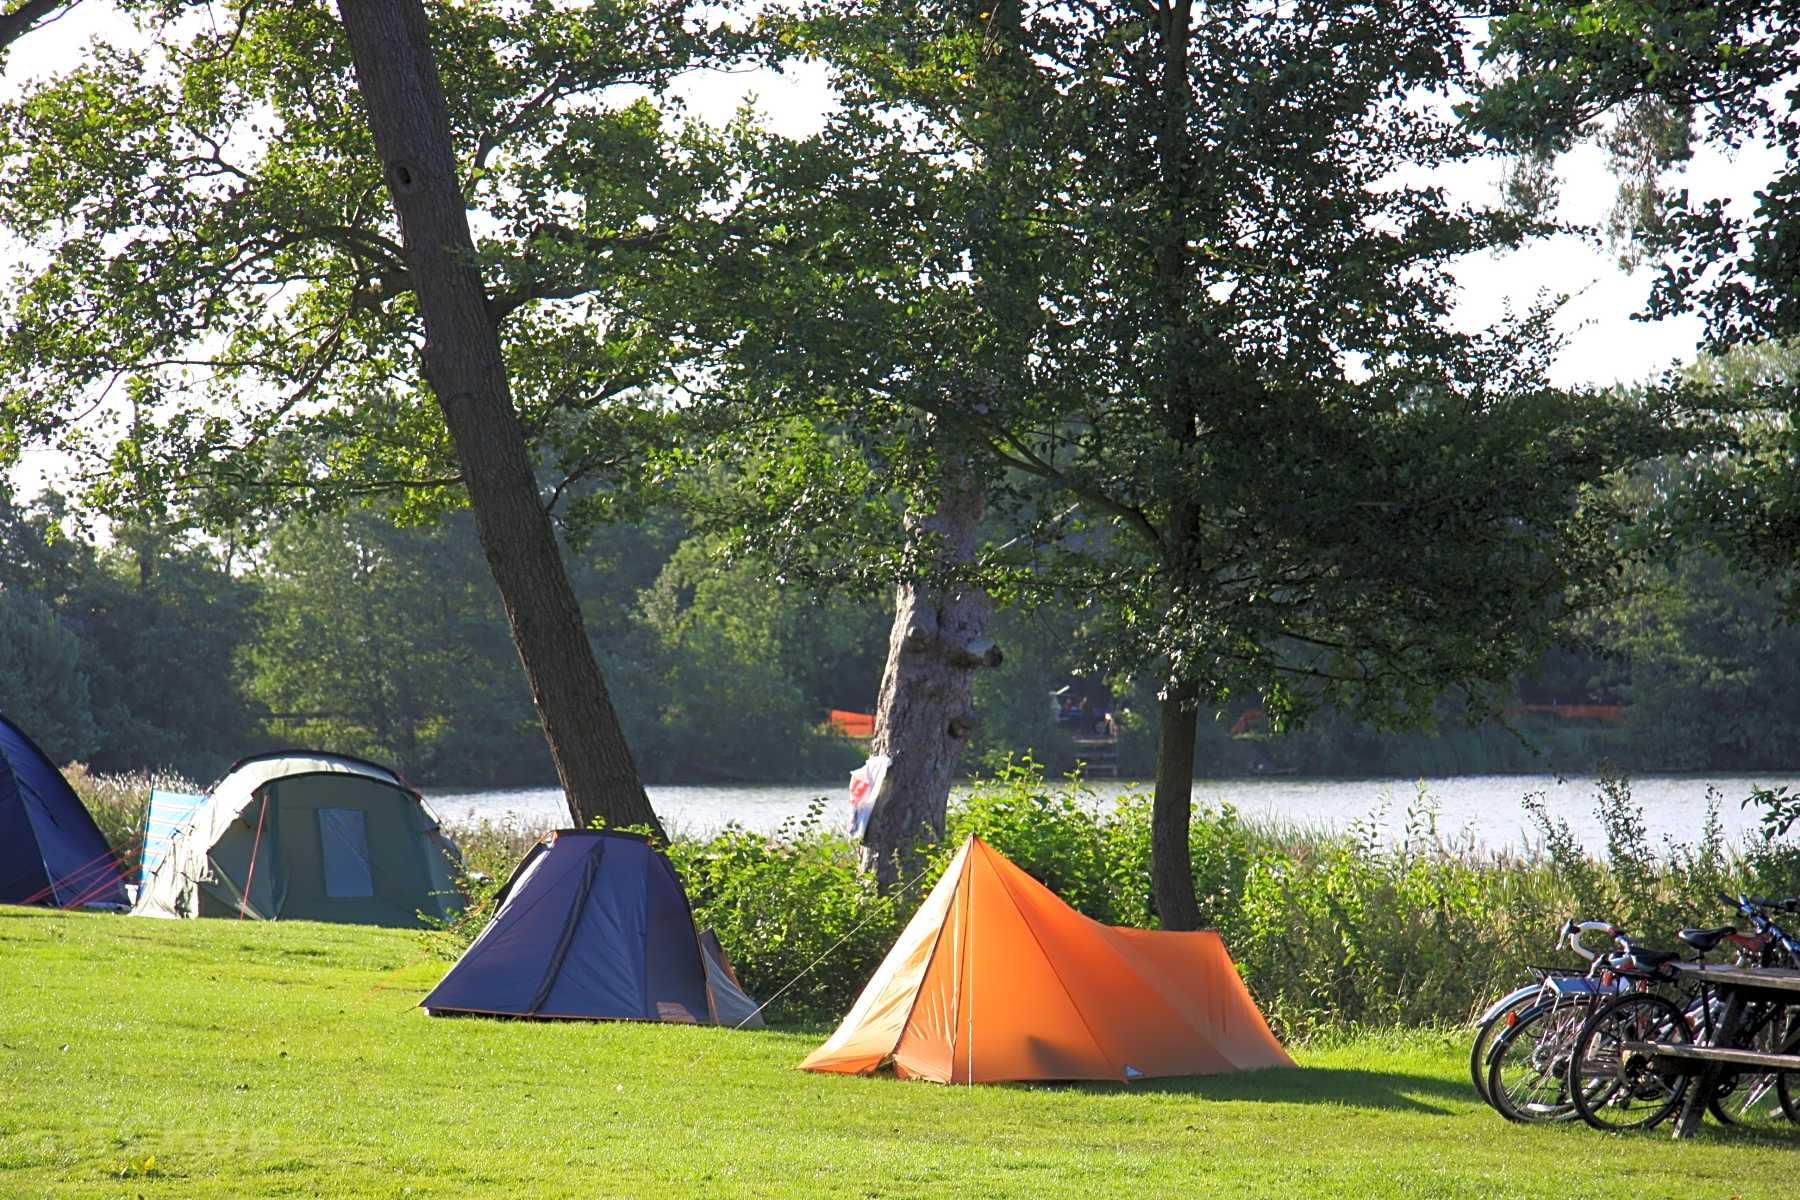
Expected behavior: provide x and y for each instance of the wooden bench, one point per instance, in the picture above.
(1709, 1063)
(1691, 1056)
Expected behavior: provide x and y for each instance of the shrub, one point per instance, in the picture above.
(801, 921)
(1331, 931)
(490, 852)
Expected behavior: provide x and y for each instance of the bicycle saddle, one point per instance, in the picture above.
(1705, 939)
(1650, 959)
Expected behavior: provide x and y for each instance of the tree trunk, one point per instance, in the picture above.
(926, 713)
(398, 79)
(1171, 811)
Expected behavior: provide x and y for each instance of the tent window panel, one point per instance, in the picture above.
(344, 849)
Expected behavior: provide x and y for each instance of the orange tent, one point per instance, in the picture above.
(996, 978)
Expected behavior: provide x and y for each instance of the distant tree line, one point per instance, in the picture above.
(349, 632)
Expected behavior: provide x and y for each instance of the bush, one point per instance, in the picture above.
(491, 850)
(798, 917)
(1331, 931)
(1060, 835)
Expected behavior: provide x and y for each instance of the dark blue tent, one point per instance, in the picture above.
(51, 852)
(593, 926)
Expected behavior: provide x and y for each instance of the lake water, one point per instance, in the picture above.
(1482, 808)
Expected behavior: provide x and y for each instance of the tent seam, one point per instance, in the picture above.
(1051, 962)
(930, 961)
(554, 967)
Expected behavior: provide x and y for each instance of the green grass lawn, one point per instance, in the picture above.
(235, 1059)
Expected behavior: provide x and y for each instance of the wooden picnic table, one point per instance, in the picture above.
(1725, 1055)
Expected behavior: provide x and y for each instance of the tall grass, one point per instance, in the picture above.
(1332, 930)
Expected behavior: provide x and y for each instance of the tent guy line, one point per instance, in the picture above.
(822, 956)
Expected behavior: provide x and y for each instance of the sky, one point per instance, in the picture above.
(1604, 345)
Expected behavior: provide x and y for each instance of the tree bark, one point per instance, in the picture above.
(462, 361)
(1171, 811)
(926, 711)
(21, 19)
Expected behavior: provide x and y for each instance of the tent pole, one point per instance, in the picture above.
(255, 845)
(969, 961)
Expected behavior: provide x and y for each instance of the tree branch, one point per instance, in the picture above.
(28, 16)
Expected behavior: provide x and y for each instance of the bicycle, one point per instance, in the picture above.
(1615, 1081)
(1755, 1098)
(1503, 1013)
(1527, 1064)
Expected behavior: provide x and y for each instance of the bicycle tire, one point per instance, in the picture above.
(1485, 1035)
(1614, 1087)
(1762, 1099)
(1528, 1065)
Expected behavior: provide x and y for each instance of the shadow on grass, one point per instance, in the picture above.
(1772, 1135)
(1347, 1087)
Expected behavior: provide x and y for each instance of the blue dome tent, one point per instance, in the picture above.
(51, 852)
(594, 926)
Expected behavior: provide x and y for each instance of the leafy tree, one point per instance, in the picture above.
(130, 648)
(386, 642)
(222, 283)
(1650, 79)
(42, 686)
(160, 641)
(1746, 501)
(734, 702)
(1709, 669)
(1225, 410)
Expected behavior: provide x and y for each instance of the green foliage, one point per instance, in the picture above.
(42, 686)
(1124, 263)
(1642, 888)
(490, 852)
(734, 654)
(389, 643)
(122, 656)
(1706, 667)
(799, 919)
(211, 245)
(1562, 71)
(1331, 931)
(1061, 835)
(1780, 809)
(1355, 931)
(162, 630)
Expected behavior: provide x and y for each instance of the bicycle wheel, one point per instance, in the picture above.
(1502, 1019)
(1614, 1082)
(1755, 1098)
(1528, 1065)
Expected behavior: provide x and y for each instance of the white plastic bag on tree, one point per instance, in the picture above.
(865, 785)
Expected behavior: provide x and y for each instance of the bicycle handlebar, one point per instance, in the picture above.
(1572, 930)
(1752, 907)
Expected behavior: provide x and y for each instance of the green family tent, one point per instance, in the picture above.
(301, 835)
(51, 852)
(595, 926)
